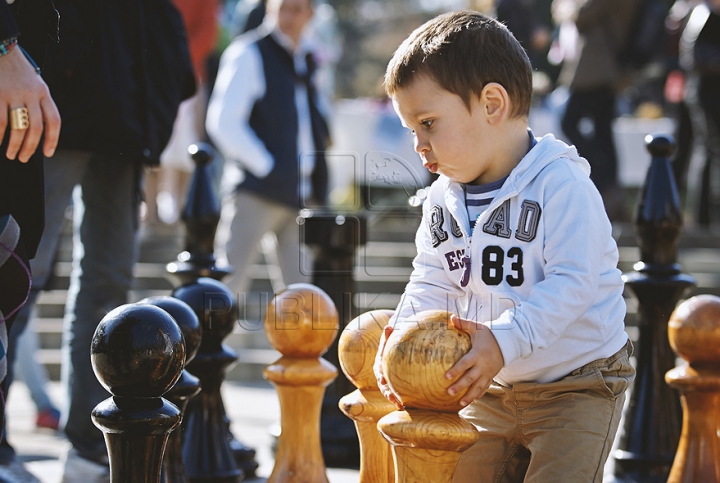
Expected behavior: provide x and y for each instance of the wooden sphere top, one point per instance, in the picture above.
(694, 329)
(301, 321)
(417, 357)
(358, 346)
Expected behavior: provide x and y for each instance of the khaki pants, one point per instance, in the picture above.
(548, 433)
(245, 219)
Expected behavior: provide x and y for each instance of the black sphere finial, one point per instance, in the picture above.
(660, 145)
(138, 351)
(201, 153)
(186, 319)
(137, 354)
(215, 306)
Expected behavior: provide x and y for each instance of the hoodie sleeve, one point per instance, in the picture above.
(580, 256)
(429, 286)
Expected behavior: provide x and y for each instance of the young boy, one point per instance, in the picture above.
(515, 242)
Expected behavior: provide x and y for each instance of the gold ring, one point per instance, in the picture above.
(19, 118)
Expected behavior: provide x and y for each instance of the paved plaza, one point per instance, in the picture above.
(253, 409)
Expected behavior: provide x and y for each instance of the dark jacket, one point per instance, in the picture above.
(603, 26)
(700, 43)
(22, 184)
(275, 113)
(8, 24)
(119, 75)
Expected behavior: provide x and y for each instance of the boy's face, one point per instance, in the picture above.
(450, 139)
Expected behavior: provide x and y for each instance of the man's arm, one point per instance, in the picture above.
(240, 83)
(21, 86)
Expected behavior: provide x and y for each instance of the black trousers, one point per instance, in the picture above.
(596, 144)
(703, 98)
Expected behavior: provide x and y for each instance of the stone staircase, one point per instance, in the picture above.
(382, 269)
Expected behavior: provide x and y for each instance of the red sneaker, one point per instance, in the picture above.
(48, 418)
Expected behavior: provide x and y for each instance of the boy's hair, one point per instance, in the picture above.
(463, 51)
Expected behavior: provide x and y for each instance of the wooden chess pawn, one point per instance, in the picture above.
(357, 348)
(137, 354)
(429, 436)
(694, 333)
(301, 322)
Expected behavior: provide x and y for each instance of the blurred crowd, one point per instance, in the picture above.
(594, 60)
(597, 60)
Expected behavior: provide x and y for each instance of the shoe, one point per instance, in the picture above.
(15, 472)
(77, 469)
(48, 418)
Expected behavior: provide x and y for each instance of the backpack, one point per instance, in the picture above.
(646, 38)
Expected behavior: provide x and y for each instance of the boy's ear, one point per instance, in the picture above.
(495, 102)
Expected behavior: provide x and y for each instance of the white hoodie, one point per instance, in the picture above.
(543, 266)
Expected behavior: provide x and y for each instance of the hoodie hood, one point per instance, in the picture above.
(547, 150)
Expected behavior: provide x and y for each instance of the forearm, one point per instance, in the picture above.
(429, 287)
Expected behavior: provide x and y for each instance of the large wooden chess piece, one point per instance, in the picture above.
(357, 348)
(694, 332)
(335, 238)
(301, 322)
(206, 448)
(173, 469)
(137, 354)
(429, 436)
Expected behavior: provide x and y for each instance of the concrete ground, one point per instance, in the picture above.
(252, 409)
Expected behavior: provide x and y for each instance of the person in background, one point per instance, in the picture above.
(526, 25)
(700, 59)
(593, 78)
(248, 15)
(30, 126)
(267, 119)
(674, 92)
(118, 93)
(34, 374)
(166, 186)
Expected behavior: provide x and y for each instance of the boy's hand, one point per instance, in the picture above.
(377, 368)
(479, 365)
